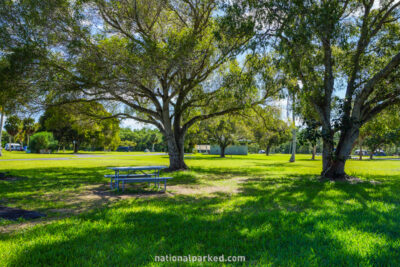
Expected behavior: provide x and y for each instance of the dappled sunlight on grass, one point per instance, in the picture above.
(279, 213)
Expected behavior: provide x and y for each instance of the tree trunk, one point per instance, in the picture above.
(371, 156)
(9, 145)
(176, 152)
(152, 149)
(76, 147)
(335, 168)
(222, 152)
(361, 152)
(1, 133)
(314, 151)
(327, 151)
(293, 157)
(267, 150)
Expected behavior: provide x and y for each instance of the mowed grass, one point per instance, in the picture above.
(264, 208)
(7, 155)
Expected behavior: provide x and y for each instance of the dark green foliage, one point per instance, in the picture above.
(382, 130)
(29, 127)
(13, 125)
(225, 131)
(42, 140)
(142, 139)
(344, 52)
(84, 123)
(268, 128)
(311, 133)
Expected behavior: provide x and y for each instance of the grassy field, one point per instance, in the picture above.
(264, 208)
(67, 154)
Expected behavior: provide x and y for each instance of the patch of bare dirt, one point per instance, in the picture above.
(90, 198)
(19, 226)
(209, 189)
(187, 190)
(97, 196)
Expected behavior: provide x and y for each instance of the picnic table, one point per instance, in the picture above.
(137, 174)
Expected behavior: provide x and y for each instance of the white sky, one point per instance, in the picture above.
(134, 125)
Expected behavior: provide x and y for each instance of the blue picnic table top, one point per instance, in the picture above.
(137, 168)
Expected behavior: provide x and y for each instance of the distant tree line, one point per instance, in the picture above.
(65, 127)
(142, 139)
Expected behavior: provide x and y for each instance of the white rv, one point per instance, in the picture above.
(14, 147)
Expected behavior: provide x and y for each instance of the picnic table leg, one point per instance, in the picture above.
(117, 181)
(123, 185)
(111, 180)
(165, 185)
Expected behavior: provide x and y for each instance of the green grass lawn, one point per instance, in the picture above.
(264, 208)
(66, 154)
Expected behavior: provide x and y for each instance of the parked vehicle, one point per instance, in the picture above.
(14, 147)
(364, 152)
(379, 153)
(261, 151)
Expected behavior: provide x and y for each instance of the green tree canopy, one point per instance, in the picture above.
(13, 125)
(268, 128)
(29, 127)
(23, 40)
(143, 139)
(346, 46)
(381, 130)
(225, 130)
(76, 123)
(161, 60)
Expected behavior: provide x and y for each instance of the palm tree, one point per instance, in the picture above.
(29, 128)
(13, 127)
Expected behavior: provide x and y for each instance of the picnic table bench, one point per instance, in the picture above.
(137, 174)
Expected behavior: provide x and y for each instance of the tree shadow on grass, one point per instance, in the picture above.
(45, 189)
(297, 221)
(50, 179)
(228, 172)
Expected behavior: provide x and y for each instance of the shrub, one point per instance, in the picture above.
(42, 140)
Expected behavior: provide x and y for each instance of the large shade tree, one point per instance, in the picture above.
(267, 127)
(162, 60)
(75, 124)
(343, 48)
(225, 131)
(23, 40)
